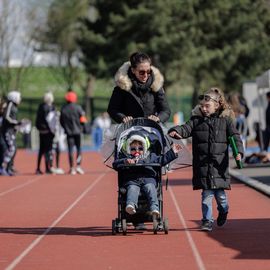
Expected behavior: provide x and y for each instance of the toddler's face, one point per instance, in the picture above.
(136, 148)
(208, 107)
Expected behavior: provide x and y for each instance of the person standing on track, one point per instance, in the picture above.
(72, 117)
(46, 135)
(210, 126)
(9, 130)
(138, 93)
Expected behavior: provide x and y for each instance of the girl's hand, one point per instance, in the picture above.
(176, 148)
(238, 157)
(127, 118)
(130, 161)
(154, 118)
(175, 135)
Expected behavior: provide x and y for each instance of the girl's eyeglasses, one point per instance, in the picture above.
(140, 148)
(206, 98)
(143, 72)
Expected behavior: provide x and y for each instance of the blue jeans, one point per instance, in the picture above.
(207, 198)
(150, 191)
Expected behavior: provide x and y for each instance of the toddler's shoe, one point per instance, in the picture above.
(207, 226)
(221, 219)
(130, 209)
(155, 212)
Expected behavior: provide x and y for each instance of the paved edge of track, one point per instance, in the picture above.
(19, 258)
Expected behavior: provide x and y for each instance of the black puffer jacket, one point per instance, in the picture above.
(70, 118)
(130, 98)
(41, 122)
(10, 117)
(210, 148)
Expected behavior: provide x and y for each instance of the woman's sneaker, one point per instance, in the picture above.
(221, 219)
(130, 209)
(207, 226)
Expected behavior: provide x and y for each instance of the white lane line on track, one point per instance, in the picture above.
(37, 240)
(192, 244)
(20, 186)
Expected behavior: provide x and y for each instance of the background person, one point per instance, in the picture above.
(9, 130)
(267, 124)
(46, 135)
(70, 119)
(210, 125)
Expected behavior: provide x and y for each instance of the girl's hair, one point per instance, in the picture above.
(219, 96)
(138, 58)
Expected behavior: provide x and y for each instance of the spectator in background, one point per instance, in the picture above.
(2, 141)
(240, 111)
(45, 113)
(267, 122)
(71, 118)
(9, 129)
(101, 125)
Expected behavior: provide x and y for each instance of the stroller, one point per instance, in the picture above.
(159, 144)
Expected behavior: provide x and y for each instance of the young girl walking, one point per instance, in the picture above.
(210, 126)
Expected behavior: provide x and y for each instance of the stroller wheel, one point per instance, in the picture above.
(124, 226)
(166, 225)
(113, 227)
(155, 224)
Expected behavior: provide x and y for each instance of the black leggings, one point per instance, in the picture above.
(74, 140)
(45, 148)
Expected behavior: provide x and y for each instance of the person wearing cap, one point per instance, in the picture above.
(46, 135)
(72, 118)
(136, 151)
(138, 92)
(9, 128)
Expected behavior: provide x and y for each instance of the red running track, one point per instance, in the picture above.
(64, 222)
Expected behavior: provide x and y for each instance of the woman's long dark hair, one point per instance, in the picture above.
(138, 58)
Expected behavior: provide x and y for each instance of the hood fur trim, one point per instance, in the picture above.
(225, 113)
(123, 81)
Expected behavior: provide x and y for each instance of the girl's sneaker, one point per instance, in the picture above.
(79, 170)
(207, 226)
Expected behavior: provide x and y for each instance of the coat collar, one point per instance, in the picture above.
(123, 81)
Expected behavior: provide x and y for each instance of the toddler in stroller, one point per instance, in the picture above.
(139, 166)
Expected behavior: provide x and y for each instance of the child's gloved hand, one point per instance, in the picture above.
(175, 135)
(130, 161)
(176, 148)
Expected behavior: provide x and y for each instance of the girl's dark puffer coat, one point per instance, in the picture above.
(129, 98)
(210, 148)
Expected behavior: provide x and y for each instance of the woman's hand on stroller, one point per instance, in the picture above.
(175, 135)
(127, 118)
(154, 118)
(176, 148)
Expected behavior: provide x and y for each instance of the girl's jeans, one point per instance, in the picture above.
(207, 198)
(150, 191)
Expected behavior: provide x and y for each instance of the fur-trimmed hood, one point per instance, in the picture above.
(123, 81)
(225, 113)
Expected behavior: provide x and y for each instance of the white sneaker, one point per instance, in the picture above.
(130, 209)
(155, 212)
(59, 171)
(72, 171)
(80, 170)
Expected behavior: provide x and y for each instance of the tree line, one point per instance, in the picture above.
(199, 43)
